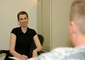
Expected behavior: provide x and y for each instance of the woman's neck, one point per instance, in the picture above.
(24, 29)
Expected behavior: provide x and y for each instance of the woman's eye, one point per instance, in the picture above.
(25, 18)
(21, 19)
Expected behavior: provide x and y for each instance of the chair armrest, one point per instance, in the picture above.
(4, 51)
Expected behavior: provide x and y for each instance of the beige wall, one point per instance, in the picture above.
(39, 15)
(44, 21)
(8, 19)
(60, 20)
(53, 22)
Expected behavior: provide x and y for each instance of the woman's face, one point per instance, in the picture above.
(23, 20)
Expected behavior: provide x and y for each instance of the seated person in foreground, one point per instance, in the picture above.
(22, 38)
(76, 34)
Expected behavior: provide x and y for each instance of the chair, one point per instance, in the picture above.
(6, 52)
(41, 38)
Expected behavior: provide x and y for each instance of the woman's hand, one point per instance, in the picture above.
(34, 53)
(23, 57)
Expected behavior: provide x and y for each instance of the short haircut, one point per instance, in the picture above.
(21, 13)
(78, 14)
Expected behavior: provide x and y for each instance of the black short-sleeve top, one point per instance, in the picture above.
(23, 40)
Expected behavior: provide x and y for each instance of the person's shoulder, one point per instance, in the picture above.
(62, 50)
(16, 28)
(31, 29)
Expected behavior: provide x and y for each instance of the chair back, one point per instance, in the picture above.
(41, 39)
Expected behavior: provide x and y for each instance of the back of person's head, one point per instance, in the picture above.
(78, 14)
(77, 23)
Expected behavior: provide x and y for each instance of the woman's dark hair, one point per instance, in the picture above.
(21, 13)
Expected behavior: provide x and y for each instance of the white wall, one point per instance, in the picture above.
(53, 23)
(46, 23)
(43, 21)
(8, 17)
(60, 21)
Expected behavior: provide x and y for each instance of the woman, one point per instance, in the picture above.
(22, 37)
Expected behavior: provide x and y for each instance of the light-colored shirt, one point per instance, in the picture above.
(65, 53)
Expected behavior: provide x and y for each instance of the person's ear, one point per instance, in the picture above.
(72, 30)
(73, 26)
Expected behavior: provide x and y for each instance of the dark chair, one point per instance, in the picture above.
(6, 52)
(41, 38)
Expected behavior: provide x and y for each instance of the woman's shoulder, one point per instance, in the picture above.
(16, 28)
(31, 29)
